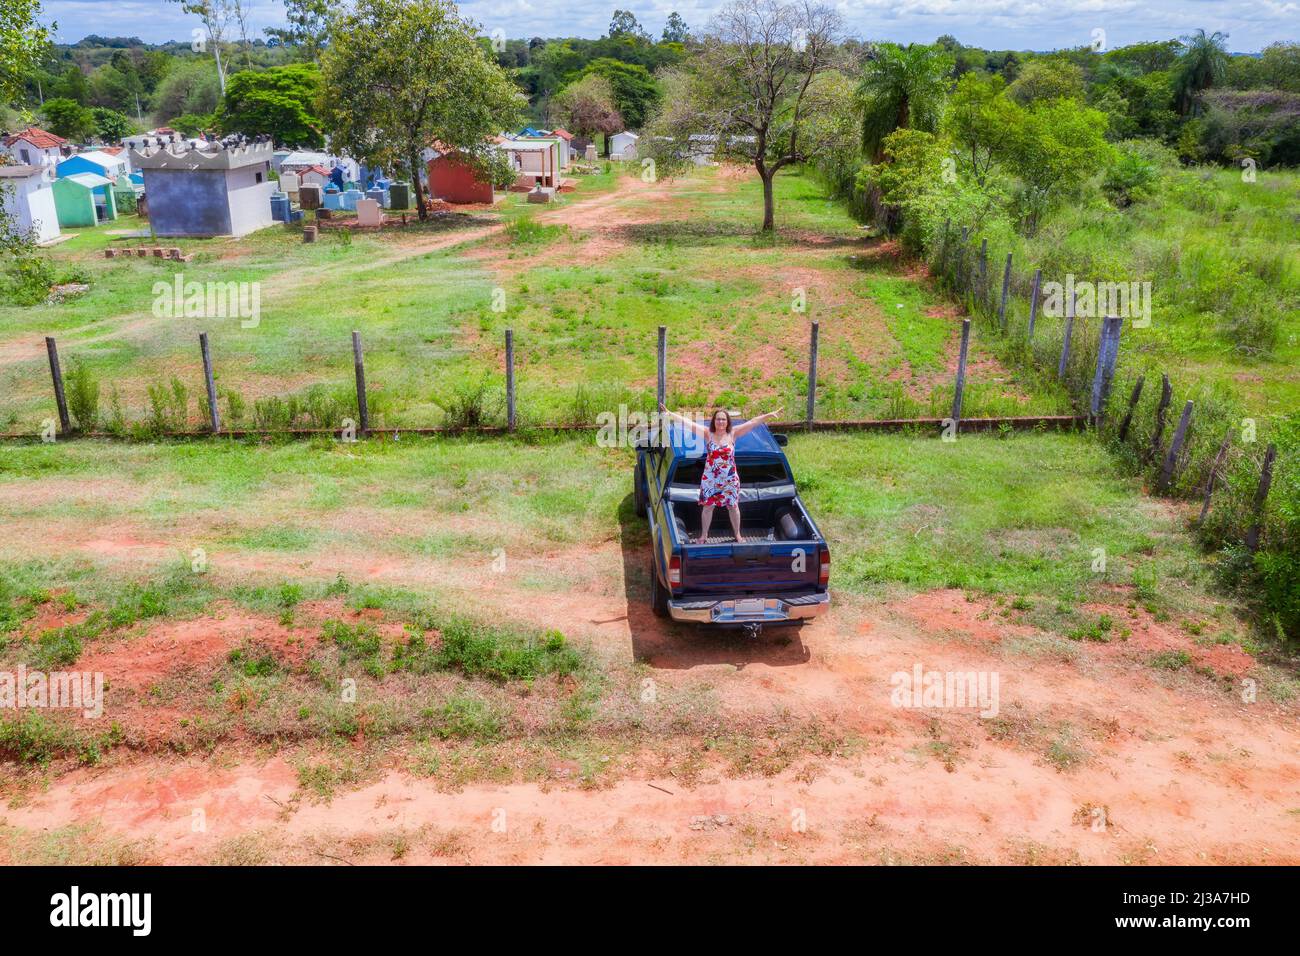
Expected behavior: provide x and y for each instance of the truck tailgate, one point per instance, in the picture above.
(768, 567)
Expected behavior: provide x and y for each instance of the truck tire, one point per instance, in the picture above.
(658, 593)
(638, 487)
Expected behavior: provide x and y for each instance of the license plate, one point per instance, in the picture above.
(751, 606)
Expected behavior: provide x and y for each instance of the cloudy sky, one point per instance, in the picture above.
(998, 24)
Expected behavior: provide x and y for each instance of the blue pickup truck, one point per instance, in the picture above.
(777, 573)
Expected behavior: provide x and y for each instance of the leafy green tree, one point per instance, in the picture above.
(983, 122)
(624, 24)
(308, 27)
(68, 118)
(1059, 146)
(635, 91)
(190, 86)
(1203, 65)
(72, 85)
(110, 125)
(901, 88)
(403, 73)
(278, 102)
(1047, 79)
(23, 44)
(676, 30)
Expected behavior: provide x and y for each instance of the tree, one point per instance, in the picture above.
(676, 30)
(983, 122)
(586, 107)
(403, 73)
(308, 26)
(110, 125)
(635, 91)
(748, 90)
(216, 16)
(1203, 64)
(68, 118)
(188, 87)
(23, 44)
(901, 88)
(624, 24)
(1059, 146)
(1049, 79)
(279, 102)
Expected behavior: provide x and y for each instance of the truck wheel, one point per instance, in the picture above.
(658, 593)
(638, 487)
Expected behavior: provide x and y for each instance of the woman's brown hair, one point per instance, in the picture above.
(714, 417)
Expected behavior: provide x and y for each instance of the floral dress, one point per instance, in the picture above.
(720, 485)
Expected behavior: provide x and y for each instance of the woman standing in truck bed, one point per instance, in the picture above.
(720, 483)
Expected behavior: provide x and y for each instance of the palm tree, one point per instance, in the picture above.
(1203, 64)
(901, 88)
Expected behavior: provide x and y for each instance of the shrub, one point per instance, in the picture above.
(83, 396)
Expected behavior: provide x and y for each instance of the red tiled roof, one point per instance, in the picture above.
(318, 168)
(111, 150)
(563, 134)
(37, 137)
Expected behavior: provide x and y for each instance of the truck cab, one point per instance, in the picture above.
(778, 573)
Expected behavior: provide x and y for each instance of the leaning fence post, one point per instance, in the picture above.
(359, 364)
(1065, 344)
(56, 373)
(1107, 353)
(214, 415)
(1033, 302)
(1214, 475)
(1175, 446)
(510, 379)
(1006, 285)
(1261, 493)
(1162, 409)
(661, 378)
(1132, 404)
(960, 388)
(812, 374)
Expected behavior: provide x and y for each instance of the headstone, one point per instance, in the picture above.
(399, 196)
(309, 196)
(590, 154)
(350, 197)
(289, 182)
(308, 233)
(369, 213)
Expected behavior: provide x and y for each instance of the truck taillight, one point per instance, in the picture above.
(675, 571)
(824, 567)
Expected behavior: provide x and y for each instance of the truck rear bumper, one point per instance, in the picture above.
(749, 610)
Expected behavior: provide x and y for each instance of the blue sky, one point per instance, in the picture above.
(999, 24)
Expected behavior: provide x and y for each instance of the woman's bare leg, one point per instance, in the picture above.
(706, 519)
(734, 514)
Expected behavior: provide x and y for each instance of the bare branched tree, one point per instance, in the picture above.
(745, 95)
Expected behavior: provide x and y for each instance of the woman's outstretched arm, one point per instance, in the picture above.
(753, 423)
(693, 425)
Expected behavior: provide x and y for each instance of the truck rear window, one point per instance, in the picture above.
(751, 472)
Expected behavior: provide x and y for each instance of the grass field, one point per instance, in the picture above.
(584, 285)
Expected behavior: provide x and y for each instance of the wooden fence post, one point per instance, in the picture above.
(1107, 354)
(1006, 285)
(812, 375)
(962, 279)
(1175, 446)
(1065, 344)
(359, 364)
(510, 379)
(960, 388)
(214, 414)
(1132, 404)
(1033, 302)
(1162, 409)
(1261, 493)
(984, 272)
(661, 376)
(1214, 475)
(943, 248)
(65, 423)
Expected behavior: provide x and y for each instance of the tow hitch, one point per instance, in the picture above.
(753, 629)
